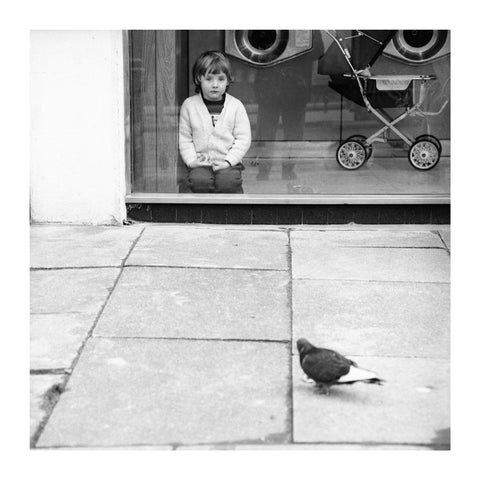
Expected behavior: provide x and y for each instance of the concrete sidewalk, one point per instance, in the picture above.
(182, 336)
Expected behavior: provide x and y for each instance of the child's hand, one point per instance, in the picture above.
(201, 161)
(220, 165)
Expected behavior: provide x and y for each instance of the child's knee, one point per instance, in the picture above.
(229, 181)
(201, 180)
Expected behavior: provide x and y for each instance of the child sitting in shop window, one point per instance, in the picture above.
(214, 130)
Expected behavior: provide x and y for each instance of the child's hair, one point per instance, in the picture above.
(214, 62)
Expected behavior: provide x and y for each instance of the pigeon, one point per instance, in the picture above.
(326, 367)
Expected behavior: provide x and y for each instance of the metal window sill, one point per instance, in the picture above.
(220, 198)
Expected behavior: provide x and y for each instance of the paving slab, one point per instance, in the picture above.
(71, 290)
(412, 407)
(198, 303)
(40, 385)
(445, 234)
(378, 264)
(54, 246)
(374, 318)
(162, 392)
(365, 238)
(55, 339)
(210, 247)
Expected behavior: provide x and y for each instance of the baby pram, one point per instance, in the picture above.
(347, 61)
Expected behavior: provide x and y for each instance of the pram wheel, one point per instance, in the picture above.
(433, 139)
(351, 154)
(361, 139)
(424, 154)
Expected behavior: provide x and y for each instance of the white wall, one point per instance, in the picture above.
(77, 136)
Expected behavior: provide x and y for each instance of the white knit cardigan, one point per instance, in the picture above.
(229, 140)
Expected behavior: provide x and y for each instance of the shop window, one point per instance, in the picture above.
(301, 113)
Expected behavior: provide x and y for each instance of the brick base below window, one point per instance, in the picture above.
(289, 214)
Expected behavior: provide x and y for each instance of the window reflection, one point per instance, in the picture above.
(297, 119)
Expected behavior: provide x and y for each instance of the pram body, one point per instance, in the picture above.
(347, 61)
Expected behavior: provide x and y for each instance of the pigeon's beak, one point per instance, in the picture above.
(302, 344)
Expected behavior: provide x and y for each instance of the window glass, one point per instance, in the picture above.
(312, 132)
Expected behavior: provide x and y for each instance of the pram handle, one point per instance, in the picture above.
(391, 77)
(438, 112)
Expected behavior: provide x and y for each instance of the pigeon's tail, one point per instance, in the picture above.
(356, 374)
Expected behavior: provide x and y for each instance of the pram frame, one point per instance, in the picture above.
(389, 124)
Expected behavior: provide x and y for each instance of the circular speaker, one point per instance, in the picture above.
(419, 45)
(261, 46)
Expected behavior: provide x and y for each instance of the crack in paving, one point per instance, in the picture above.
(61, 312)
(443, 241)
(80, 267)
(192, 339)
(50, 371)
(207, 267)
(290, 404)
(49, 400)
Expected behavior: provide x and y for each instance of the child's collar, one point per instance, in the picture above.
(213, 102)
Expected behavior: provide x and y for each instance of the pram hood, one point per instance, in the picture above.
(364, 50)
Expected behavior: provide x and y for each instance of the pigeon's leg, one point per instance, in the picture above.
(323, 389)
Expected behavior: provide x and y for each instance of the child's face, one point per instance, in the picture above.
(213, 85)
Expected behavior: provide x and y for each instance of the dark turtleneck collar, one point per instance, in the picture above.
(213, 103)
